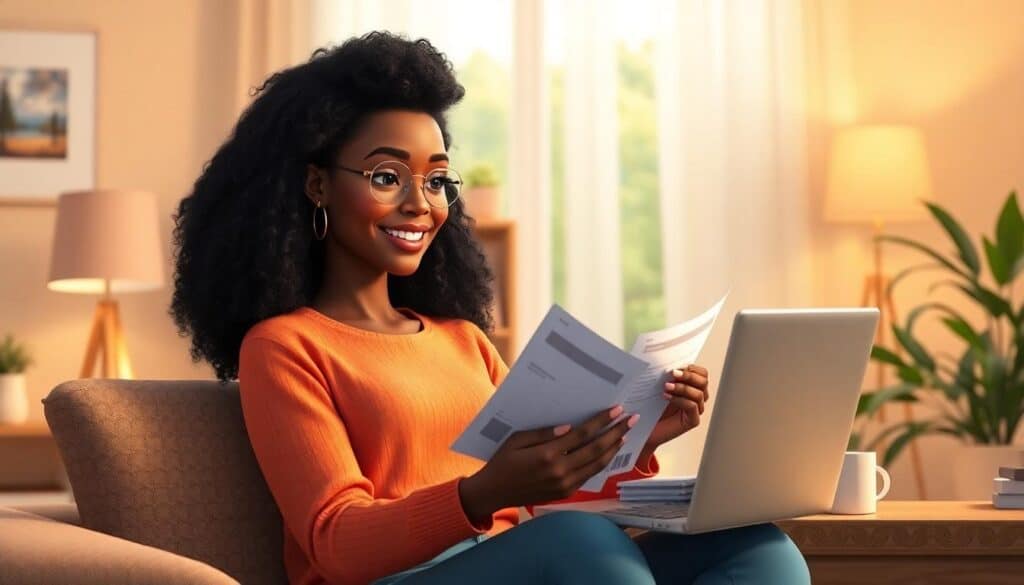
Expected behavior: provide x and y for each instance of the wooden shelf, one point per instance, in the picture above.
(28, 429)
(498, 239)
(487, 226)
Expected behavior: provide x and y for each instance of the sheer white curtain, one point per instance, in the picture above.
(734, 200)
(272, 34)
(592, 240)
(334, 21)
(530, 167)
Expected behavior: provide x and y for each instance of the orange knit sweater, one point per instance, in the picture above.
(352, 430)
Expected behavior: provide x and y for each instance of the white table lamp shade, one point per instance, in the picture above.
(106, 235)
(877, 174)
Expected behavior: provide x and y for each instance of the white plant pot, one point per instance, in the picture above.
(13, 398)
(483, 202)
(974, 466)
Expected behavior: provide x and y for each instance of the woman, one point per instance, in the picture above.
(324, 258)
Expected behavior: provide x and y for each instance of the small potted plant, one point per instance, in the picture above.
(14, 359)
(483, 195)
(977, 393)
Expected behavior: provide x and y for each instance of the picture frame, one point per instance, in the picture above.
(47, 115)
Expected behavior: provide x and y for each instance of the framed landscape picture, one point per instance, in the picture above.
(47, 115)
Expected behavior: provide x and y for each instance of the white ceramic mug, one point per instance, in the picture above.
(856, 492)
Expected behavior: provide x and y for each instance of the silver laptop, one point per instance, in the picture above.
(783, 412)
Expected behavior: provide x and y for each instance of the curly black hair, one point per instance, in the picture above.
(244, 248)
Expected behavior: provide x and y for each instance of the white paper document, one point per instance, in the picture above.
(567, 373)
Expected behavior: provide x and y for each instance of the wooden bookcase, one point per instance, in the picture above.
(498, 239)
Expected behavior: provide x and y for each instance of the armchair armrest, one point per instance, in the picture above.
(37, 551)
(66, 512)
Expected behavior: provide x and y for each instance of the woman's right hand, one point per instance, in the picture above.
(539, 465)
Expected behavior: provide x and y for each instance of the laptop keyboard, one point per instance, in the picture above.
(654, 509)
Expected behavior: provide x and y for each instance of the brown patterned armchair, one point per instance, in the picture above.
(166, 487)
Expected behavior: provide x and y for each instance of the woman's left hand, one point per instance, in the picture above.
(686, 392)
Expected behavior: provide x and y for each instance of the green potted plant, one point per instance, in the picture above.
(977, 393)
(14, 359)
(483, 196)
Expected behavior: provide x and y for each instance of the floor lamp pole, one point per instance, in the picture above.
(876, 294)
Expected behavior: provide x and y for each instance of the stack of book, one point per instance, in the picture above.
(661, 489)
(1009, 488)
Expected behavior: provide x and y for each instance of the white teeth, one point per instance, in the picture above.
(410, 236)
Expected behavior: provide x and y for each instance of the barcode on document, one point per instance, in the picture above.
(495, 430)
(620, 461)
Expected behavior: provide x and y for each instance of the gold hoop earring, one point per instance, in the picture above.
(316, 233)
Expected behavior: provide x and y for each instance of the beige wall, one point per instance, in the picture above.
(164, 102)
(956, 69)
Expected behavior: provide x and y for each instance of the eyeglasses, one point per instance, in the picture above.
(390, 181)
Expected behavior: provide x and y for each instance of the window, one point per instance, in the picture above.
(643, 296)
(477, 39)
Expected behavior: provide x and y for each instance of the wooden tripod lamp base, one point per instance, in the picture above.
(106, 340)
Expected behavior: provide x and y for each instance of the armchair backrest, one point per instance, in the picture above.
(168, 463)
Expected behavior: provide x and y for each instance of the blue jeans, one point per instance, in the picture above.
(572, 547)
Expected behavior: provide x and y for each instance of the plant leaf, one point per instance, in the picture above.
(1017, 267)
(956, 232)
(948, 282)
(1013, 406)
(907, 272)
(925, 250)
(963, 330)
(949, 389)
(966, 379)
(1018, 346)
(997, 263)
(913, 430)
(949, 431)
(906, 372)
(853, 443)
(883, 434)
(920, 310)
(1015, 419)
(915, 349)
(994, 382)
(910, 375)
(880, 354)
(967, 430)
(870, 402)
(1010, 234)
(996, 305)
(990, 301)
(962, 428)
(989, 384)
(956, 321)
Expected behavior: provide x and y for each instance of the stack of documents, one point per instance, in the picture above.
(567, 373)
(661, 489)
(1009, 488)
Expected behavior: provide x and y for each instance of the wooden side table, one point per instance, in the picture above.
(34, 431)
(910, 542)
(27, 429)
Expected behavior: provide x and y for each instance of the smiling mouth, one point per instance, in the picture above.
(407, 236)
